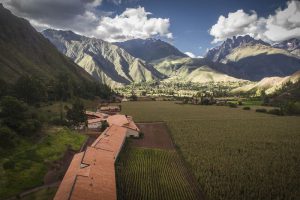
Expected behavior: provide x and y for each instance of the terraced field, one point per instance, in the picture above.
(234, 154)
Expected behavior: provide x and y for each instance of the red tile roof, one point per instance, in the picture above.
(122, 120)
(91, 174)
(112, 139)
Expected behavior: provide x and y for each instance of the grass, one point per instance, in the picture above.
(52, 110)
(234, 154)
(43, 194)
(32, 159)
(152, 174)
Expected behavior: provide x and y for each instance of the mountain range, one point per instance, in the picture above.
(24, 51)
(150, 49)
(268, 84)
(104, 61)
(252, 59)
(179, 69)
(291, 45)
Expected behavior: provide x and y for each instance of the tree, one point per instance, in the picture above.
(30, 89)
(13, 112)
(3, 88)
(76, 115)
(63, 87)
(16, 115)
(7, 137)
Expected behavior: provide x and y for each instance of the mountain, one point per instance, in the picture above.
(291, 45)
(150, 49)
(218, 53)
(104, 61)
(252, 59)
(24, 51)
(191, 70)
(268, 84)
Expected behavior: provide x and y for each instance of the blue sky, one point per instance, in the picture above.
(191, 19)
(190, 25)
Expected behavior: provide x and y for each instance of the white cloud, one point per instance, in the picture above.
(191, 55)
(77, 15)
(284, 24)
(132, 23)
(84, 17)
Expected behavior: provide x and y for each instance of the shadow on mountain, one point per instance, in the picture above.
(255, 68)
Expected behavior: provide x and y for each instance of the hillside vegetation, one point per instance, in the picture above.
(25, 52)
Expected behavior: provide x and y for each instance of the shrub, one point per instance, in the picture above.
(9, 165)
(291, 108)
(104, 126)
(247, 108)
(59, 122)
(232, 105)
(275, 111)
(7, 137)
(262, 110)
(240, 103)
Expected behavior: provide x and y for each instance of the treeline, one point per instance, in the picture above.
(286, 98)
(19, 115)
(16, 119)
(33, 90)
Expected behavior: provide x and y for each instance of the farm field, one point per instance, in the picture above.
(234, 154)
(151, 168)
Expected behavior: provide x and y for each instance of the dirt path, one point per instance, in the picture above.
(25, 193)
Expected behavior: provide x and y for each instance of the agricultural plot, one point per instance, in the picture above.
(153, 174)
(155, 135)
(234, 154)
(151, 168)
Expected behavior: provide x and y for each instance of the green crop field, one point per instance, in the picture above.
(153, 174)
(234, 154)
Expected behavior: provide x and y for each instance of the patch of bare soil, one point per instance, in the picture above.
(59, 168)
(155, 135)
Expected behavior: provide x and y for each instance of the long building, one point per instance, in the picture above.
(91, 174)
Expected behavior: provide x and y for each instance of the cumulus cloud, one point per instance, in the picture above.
(282, 25)
(191, 55)
(132, 23)
(78, 15)
(85, 17)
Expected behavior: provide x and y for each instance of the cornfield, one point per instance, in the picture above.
(234, 154)
(153, 174)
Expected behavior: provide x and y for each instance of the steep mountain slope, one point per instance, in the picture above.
(255, 62)
(291, 45)
(269, 84)
(24, 51)
(150, 49)
(252, 59)
(191, 70)
(218, 53)
(104, 61)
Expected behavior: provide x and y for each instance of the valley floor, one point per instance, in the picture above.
(233, 153)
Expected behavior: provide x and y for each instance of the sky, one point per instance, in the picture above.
(193, 26)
